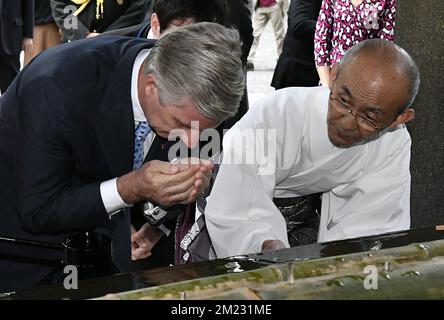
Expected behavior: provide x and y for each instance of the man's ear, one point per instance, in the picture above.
(404, 117)
(155, 26)
(149, 83)
(333, 76)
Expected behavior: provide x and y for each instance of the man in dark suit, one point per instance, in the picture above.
(16, 25)
(296, 67)
(72, 154)
(168, 15)
(171, 14)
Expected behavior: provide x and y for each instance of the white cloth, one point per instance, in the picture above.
(108, 189)
(150, 34)
(366, 187)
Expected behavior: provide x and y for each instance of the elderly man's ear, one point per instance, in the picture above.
(333, 76)
(404, 117)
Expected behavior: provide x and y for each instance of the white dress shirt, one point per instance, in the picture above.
(366, 187)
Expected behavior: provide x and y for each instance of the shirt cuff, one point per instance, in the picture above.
(112, 201)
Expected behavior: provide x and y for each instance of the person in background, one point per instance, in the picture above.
(343, 23)
(79, 19)
(168, 15)
(264, 11)
(296, 67)
(239, 17)
(16, 33)
(46, 32)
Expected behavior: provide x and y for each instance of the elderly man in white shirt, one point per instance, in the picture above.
(348, 142)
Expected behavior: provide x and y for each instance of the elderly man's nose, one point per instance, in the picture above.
(350, 122)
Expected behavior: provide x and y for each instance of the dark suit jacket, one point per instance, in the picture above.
(140, 30)
(66, 125)
(16, 23)
(115, 16)
(239, 17)
(43, 13)
(296, 65)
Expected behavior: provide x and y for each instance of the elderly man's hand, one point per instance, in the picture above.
(143, 241)
(165, 183)
(270, 245)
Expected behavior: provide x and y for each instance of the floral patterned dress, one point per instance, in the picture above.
(341, 25)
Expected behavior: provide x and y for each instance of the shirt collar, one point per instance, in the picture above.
(137, 108)
(150, 34)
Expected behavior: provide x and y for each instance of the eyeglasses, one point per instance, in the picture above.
(363, 122)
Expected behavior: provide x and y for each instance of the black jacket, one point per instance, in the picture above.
(239, 17)
(296, 66)
(66, 125)
(16, 23)
(115, 16)
(43, 13)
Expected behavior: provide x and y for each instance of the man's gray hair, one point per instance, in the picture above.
(199, 63)
(391, 54)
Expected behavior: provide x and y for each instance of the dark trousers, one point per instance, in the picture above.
(9, 68)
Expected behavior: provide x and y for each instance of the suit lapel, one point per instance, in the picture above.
(116, 131)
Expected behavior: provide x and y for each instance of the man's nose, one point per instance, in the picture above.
(350, 122)
(191, 139)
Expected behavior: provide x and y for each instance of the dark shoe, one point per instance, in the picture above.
(250, 66)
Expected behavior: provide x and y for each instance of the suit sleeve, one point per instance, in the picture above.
(61, 12)
(28, 18)
(134, 14)
(51, 198)
(302, 18)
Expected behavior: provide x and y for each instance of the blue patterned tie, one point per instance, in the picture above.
(142, 131)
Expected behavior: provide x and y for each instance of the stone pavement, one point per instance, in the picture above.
(259, 80)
